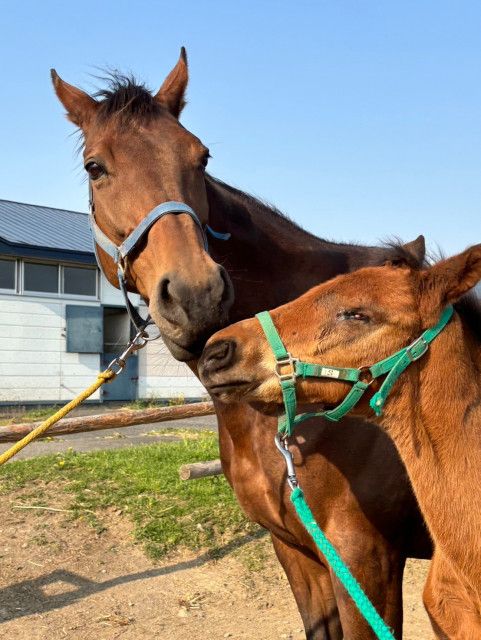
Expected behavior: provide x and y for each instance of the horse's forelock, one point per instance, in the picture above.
(125, 97)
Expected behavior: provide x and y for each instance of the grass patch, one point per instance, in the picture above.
(154, 403)
(145, 403)
(143, 483)
(31, 415)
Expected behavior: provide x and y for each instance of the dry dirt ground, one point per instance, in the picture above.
(60, 579)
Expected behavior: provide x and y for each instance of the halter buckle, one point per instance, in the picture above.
(420, 342)
(287, 361)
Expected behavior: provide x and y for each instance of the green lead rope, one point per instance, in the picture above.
(341, 570)
(391, 367)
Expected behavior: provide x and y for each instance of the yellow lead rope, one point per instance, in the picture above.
(102, 378)
(115, 367)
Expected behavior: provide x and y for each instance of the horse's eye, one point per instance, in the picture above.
(205, 159)
(353, 314)
(94, 170)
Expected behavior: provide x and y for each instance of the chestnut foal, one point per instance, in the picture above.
(432, 412)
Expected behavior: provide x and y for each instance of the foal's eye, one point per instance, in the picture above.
(353, 314)
(94, 170)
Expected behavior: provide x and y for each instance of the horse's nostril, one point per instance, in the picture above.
(227, 293)
(219, 352)
(164, 291)
(193, 312)
(218, 356)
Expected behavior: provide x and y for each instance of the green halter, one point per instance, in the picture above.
(393, 366)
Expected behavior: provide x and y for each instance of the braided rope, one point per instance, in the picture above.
(349, 582)
(102, 378)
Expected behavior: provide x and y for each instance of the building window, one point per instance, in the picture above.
(8, 270)
(80, 281)
(41, 278)
(44, 278)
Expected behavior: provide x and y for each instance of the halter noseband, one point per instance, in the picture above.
(119, 254)
(362, 378)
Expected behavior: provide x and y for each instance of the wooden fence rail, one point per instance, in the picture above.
(114, 420)
(200, 470)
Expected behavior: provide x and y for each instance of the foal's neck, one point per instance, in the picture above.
(434, 419)
(269, 258)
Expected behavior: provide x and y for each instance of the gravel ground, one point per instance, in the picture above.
(60, 580)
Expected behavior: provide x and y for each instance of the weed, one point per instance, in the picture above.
(143, 483)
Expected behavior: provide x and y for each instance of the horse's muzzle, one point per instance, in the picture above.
(188, 315)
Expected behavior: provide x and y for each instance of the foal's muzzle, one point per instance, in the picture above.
(217, 357)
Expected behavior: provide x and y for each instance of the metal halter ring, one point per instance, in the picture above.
(135, 344)
(365, 375)
(283, 362)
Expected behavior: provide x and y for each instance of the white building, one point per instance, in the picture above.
(61, 321)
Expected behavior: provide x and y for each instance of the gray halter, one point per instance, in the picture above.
(119, 254)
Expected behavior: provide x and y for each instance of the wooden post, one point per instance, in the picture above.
(114, 420)
(200, 470)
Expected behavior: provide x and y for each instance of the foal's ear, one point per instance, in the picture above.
(80, 106)
(172, 93)
(446, 281)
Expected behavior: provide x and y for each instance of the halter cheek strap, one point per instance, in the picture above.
(120, 254)
(391, 367)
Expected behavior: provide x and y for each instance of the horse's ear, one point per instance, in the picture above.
(416, 249)
(447, 281)
(410, 254)
(172, 93)
(79, 105)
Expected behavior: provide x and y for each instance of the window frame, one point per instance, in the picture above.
(15, 289)
(78, 296)
(42, 294)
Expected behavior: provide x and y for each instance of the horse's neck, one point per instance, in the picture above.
(269, 259)
(434, 419)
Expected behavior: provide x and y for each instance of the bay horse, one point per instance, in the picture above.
(137, 155)
(432, 413)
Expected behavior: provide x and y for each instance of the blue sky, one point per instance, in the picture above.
(360, 119)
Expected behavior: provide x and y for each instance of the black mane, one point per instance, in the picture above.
(357, 255)
(469, 308)
(254, 203)
(124, 96)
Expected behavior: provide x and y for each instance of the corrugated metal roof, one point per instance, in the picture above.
(36, 226)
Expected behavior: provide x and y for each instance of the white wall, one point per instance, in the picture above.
(161, 376)
(109, 295)
(34, 365)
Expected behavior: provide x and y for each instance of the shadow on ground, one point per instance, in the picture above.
(31, 595)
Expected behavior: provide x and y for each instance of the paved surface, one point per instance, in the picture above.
(112, 438)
